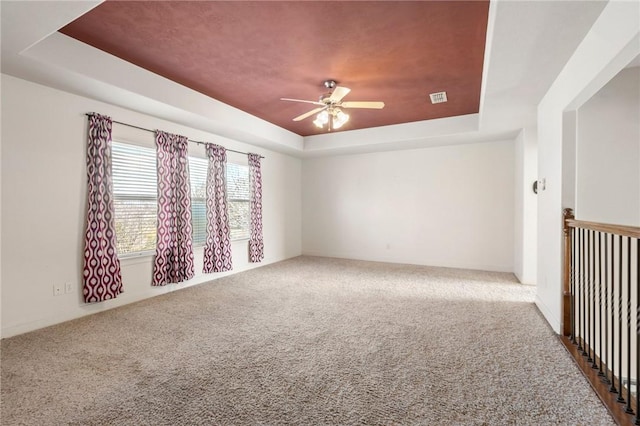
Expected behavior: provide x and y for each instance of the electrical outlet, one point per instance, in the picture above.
(57, 289)
(68, 287)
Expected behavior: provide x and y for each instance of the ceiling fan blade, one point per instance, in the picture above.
(374, 105)
(338, 93)
(308, 114)
(301, 100)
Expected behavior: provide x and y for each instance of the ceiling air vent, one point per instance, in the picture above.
(438, 98)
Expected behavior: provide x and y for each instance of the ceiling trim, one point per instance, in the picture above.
(251, 54)
(98, 75)
(491, 23)
(34, 51)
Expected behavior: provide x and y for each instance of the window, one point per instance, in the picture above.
(198, 177)
(237, 198)
(135, 198)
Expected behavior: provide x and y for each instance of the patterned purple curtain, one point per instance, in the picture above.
(256, 244)
(217, 248)
(102, 278)
(174, 248)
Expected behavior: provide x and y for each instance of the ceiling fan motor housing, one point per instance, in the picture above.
(324, 98)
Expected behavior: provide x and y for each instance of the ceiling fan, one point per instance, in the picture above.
(330, 106)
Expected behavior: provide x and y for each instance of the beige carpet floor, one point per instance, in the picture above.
(310, 341)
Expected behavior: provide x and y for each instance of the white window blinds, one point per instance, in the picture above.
(135, 197)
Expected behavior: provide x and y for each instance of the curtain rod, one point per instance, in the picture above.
(89, 114)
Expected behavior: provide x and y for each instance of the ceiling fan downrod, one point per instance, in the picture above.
(330, 84)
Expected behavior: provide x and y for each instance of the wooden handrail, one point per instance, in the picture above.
(627, 231)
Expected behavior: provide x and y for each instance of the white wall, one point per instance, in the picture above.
(444, 206)
(608, 153)
(0, 212)
(569, 141)
(525, 220)
(612, 42)
(44, 196)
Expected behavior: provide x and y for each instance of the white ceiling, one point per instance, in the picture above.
(528, 43)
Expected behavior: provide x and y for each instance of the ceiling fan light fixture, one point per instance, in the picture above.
(339, 119)
(321, 119)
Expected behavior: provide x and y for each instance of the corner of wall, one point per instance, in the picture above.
(519, 206)
(548, 313)
(525, 223)
(610, 44)
(1, 168)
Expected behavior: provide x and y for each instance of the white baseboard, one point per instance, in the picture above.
(553, 321)
(411, 261)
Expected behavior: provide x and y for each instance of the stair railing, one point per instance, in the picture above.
(601, 299)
